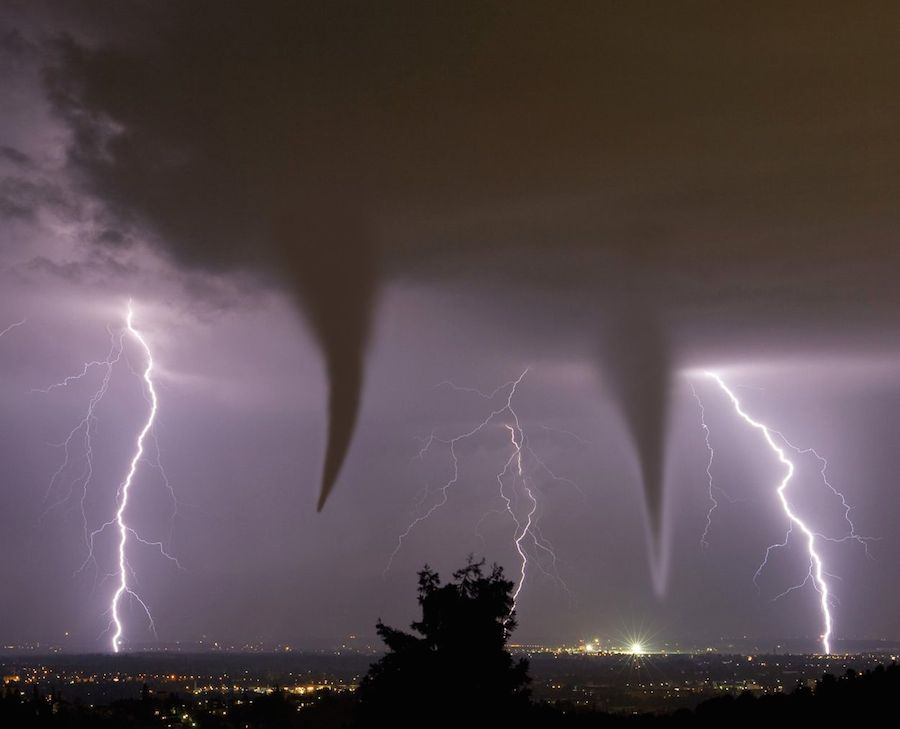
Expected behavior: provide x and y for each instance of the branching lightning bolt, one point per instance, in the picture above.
(451, 444)
(816, 574)
(526, 530)
(85, 427)
(83, 432)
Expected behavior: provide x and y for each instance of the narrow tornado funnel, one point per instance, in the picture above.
(637, 369)
(333, 276)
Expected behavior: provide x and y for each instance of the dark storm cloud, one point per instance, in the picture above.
(729, 171)
(23, 198)
(14, 47)
(11, 154)
(95, 268)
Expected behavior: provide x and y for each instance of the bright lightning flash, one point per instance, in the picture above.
(778, 444)
(513, 484)
(119, 522)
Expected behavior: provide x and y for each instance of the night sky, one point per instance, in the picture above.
(323, 211)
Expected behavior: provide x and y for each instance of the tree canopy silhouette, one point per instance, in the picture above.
(457, 667)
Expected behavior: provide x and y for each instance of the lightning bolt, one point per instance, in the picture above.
(711, 487)
(82, 434)
(14, 325)
(778, 443)
(84, 427)
(121, 524)
(521, 531)
(713, 490)
(526, 532)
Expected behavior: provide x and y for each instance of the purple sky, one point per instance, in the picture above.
(613, 244)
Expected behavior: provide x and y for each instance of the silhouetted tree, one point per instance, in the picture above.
(457, 668)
